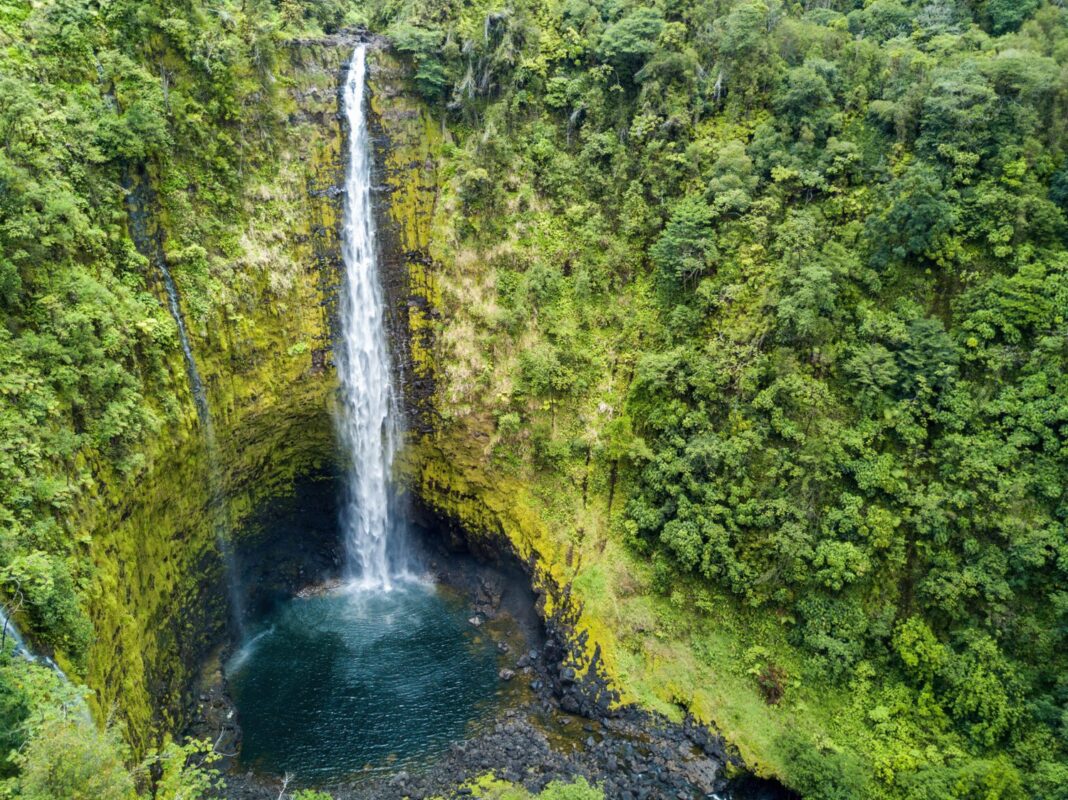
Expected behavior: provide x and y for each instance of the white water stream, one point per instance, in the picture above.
(9, 634)
(367, 423)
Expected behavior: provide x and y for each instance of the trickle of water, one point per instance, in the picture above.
(367, 426)
(139, 201)
(196, 385)
(9, 633)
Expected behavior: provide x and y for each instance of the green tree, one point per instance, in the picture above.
(73, 760)
(423, 46)
(1003, 16)
(823, 775)
(630, 40)
(685, 250)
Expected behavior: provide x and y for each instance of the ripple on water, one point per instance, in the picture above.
(355, 681)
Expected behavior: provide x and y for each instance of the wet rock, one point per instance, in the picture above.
(506, 674)
(489, 593)
(318, 589)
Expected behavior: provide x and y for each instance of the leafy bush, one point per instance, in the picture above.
(828, 775)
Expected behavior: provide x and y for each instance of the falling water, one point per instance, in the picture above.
(217, 505)
(196, 385)
(139, 200)
(75, 701)
(366, 424)
(9, 633)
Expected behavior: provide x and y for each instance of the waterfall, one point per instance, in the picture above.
(76, 702)
(217, 505)
(140, 202)
(196, 385)
(9, 633)
(367, 426)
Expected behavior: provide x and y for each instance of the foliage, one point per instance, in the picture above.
(422, 45)
(72, 759)
(16, 704)
(128, 134)
(87, 348)
(492, 788)
(185, 772)
(685, 249)
(57, 750)
(825, 776)
(780, 288)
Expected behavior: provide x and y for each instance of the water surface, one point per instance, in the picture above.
(361, 682)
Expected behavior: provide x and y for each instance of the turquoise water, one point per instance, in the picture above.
(351, 682)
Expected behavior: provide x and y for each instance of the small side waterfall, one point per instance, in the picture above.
(75, 702)
(196, 385)
(139, 202)
(9, 633)
(367, 424)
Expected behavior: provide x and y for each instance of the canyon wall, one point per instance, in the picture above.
(158, 597)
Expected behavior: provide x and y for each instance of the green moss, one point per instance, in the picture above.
(157, 598)
(155, 592)
(414, 147)
(491, 787)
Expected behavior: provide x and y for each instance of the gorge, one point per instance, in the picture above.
(378, 669)
(361, 684)
(568, 400)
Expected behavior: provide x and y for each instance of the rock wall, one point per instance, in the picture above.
(444, 466)
(407, 144)
(157, 597)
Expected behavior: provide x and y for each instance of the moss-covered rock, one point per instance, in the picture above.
(157, 595)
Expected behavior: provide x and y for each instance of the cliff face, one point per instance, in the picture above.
(629, 643)
(447, 462)
(158, 597)
(407, 151)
